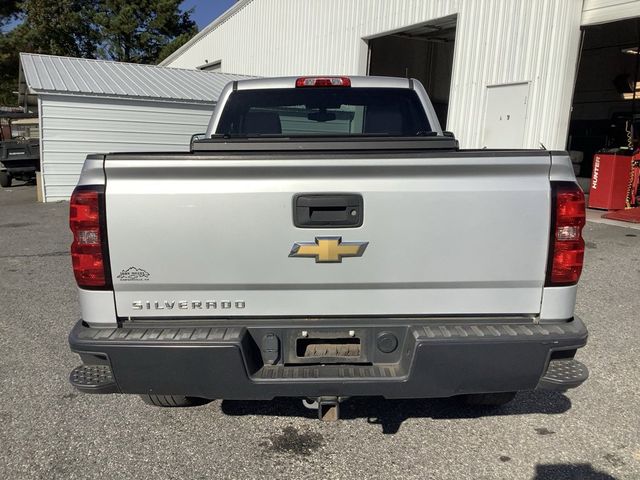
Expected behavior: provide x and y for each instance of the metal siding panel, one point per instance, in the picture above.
(51, 74)
(602, 11)
(543, 50)
(128, 125)
(290, 37)
(498, 41)
(63, 165)
(70, 117)
(104, 82)
(73, 127)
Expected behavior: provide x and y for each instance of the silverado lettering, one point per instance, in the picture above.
(186, 305)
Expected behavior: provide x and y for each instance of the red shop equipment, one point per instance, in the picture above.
(610, 181)
(632, 211)
(633, 195)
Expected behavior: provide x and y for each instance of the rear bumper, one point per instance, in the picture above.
(432, 359)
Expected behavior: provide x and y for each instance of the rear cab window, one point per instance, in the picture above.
(329, 111)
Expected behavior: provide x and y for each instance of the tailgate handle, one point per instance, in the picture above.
(328, 210)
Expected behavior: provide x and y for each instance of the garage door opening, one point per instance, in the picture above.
(606, 103)
(424, 52)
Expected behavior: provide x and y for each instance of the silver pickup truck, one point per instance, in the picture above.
(327, 240)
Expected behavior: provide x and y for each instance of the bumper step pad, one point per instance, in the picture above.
(311, 372)
(563, 374)
(93, 379)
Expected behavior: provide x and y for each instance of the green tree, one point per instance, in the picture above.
(175, 44)
(9, 11)
(8, 70)
(62, 27)
(142, 31)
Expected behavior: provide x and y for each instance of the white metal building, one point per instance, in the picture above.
(93, 106)
(501, 72)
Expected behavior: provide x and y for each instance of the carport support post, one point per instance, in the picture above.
(40, 177)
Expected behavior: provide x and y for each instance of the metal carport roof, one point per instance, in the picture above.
(103, 78)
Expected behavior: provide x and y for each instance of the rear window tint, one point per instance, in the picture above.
(324, 111)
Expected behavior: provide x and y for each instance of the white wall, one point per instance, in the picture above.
(601, 11)
(498, 41)
(514, 41)
(74, 126)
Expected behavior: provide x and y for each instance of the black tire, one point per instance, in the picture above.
(173, 400)
(5, 179)
(489, 399)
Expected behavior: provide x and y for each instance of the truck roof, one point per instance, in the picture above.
(356, 81)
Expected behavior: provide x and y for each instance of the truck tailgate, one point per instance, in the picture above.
(459, 233)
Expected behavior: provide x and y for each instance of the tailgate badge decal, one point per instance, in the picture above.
(133, 274)
(328, 249)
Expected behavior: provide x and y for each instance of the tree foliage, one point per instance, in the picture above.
(138, 31)
(141, 31)
(8, 57)
(62, 27)
(8, 70)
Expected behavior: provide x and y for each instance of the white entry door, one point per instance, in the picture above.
(506, 115)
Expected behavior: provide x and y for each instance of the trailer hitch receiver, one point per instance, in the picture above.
(328, 407)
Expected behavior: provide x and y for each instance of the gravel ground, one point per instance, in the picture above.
(48, 430)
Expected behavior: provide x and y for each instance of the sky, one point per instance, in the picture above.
(206, 11)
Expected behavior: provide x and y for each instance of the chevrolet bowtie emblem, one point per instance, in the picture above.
(328, 249)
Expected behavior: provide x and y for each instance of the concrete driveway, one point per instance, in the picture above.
(48, 430)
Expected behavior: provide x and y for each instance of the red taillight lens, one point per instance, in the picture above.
(566, 249)
(323, 82)
(87, 249)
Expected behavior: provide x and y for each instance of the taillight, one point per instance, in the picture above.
(566, 248)
(89, 248)
(323, 82)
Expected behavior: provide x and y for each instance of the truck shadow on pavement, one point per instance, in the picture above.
(570, 471)
(390, 414)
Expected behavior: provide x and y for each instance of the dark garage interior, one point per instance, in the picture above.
(424, 52)
(606, 112)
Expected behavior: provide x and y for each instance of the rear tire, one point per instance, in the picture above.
(173, 400)
(489, 399)
(5, 179)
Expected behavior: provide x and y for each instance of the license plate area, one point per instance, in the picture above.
(327, 347)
